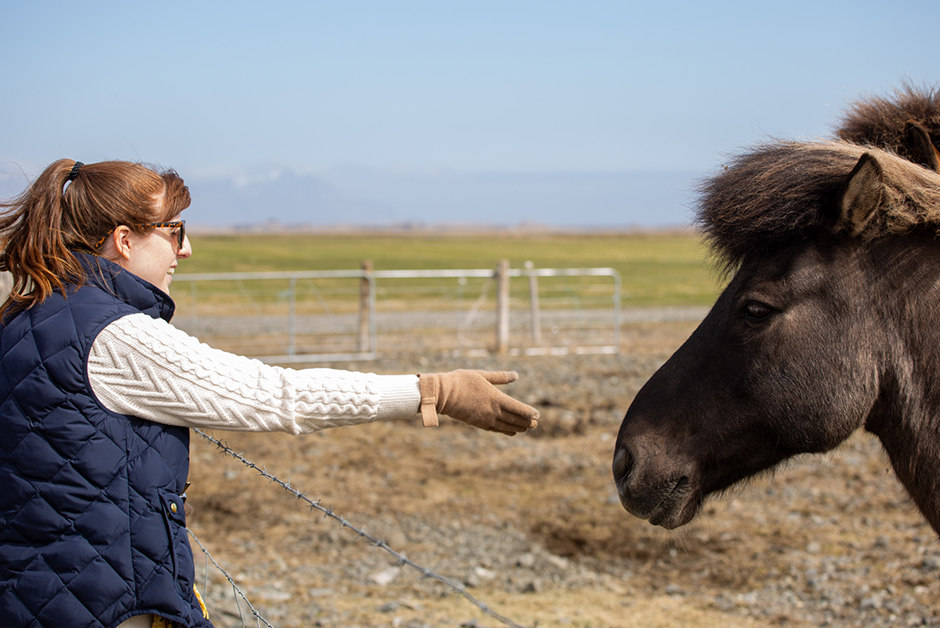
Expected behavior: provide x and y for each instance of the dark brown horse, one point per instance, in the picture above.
(830, 323)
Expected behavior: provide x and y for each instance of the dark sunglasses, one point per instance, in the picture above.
(180, 235)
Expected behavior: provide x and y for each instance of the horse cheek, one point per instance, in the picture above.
(821, 388)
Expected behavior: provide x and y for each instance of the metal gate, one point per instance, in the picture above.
(320, 316)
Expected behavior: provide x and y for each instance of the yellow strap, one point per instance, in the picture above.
(202, 605)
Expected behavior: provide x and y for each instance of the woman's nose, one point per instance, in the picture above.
(186, 250)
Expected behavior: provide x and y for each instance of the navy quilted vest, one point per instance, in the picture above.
(92, 529)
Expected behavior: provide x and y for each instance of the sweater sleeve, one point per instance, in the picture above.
(147, 368)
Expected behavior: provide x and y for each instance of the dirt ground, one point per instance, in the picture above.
(531, 526)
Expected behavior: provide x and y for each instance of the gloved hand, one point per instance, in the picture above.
(470, 396)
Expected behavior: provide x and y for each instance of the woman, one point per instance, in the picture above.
(98, 393)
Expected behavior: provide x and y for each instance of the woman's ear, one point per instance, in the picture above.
(119, 244)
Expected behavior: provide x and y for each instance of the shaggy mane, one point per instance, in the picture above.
(881, 122)
(785, 192)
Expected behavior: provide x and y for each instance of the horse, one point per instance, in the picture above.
(830, 321)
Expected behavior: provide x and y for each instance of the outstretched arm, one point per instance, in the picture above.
(145, 367)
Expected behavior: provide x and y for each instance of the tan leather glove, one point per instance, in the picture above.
(470, 396)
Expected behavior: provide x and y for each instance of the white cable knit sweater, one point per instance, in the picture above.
(147, 368)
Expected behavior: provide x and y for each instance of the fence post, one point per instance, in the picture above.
(292, 317)
(365, 287)
(534, 305)
(502, 307)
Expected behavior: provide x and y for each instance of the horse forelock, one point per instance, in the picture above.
(785, 193)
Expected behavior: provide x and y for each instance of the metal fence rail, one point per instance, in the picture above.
(318, 316)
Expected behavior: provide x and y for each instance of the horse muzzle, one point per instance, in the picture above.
(664, 497)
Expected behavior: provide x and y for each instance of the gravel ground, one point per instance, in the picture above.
(531, 525)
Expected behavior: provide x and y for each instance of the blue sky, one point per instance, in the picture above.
(247, 91)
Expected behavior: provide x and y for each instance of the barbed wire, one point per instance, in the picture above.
(401, 559)
(238, 592)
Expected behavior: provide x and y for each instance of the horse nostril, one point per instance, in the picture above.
(623, 464)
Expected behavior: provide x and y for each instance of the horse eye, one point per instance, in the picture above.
(755, 311)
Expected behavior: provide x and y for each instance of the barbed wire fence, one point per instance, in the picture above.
(315, 505)
(238, 592)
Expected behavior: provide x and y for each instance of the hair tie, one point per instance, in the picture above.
(74, 172)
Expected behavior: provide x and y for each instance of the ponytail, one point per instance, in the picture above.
(34, 250)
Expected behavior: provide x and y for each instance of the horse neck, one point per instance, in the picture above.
(906, 416)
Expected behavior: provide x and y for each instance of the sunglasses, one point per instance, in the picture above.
(174, 224)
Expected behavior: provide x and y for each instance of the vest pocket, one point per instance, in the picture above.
(175, 519)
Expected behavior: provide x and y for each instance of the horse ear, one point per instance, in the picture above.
(922, 149)
(860, 196)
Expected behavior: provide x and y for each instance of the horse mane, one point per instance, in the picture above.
(883, 123)
(782, 193)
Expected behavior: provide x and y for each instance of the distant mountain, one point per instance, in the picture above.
(368, 197)
(352, 197)
(286, 198)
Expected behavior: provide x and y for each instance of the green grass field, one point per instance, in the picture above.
(656, 268)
